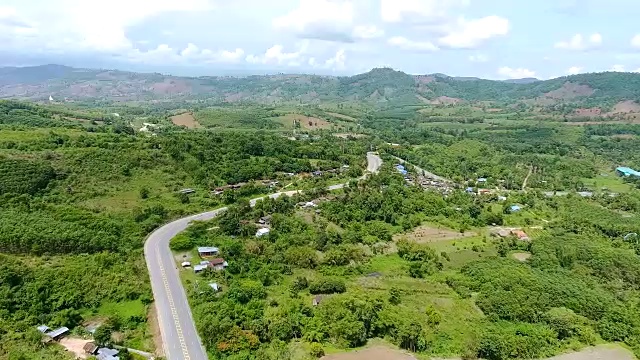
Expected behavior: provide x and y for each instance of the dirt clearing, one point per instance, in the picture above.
(185, 119)
(431, 234)
(306, 122)
(603, 352)
(75, 346)
(372, 353)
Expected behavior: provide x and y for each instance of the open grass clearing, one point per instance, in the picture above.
(521, 256)
(608, 180)
(428, 233)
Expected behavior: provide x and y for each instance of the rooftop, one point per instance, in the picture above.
(627, 171)
(208, 249)
(57, 332)
(198, 268)
(217, 261)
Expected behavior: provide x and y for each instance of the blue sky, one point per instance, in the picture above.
(496, 39)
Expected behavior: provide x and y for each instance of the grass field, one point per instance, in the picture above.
(608, 180)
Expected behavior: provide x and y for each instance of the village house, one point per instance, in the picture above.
(262, 232)
(521, 235)
(218, 264)
(208, 251)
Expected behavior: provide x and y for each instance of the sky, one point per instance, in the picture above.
(494, 39)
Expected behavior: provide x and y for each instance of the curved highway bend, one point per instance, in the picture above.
(180, 338)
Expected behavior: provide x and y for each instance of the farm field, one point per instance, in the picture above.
(185, 119)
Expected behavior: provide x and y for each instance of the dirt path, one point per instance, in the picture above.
(372, 353)
(602, 352)
(524, 183)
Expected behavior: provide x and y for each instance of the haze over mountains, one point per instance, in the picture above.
(380, 86)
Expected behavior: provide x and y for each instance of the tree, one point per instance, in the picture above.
(316, 350)
(102, 335)
(394, 296)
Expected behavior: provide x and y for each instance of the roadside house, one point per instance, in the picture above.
(218, 264)
(199, 268)
(208, 251)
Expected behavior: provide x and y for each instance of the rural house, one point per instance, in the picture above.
(208, 251)
(218, 264)
(90, 348)
(262, 232)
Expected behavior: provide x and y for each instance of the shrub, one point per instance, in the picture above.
(327, 286)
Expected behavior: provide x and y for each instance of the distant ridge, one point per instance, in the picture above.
(381, 87)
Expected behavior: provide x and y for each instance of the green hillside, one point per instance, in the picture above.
(382, 87)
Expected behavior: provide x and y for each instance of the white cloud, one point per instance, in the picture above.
(635, 41)
(164, 54)
(319, 19)
(617, 68)
(469, 34)
(517, 73)
(407, 44)
(579, 43)
(418, 11)
(337, 62)
(366, 32)
(230, 56)
(574, 70)
(478, 58)
(275, 55)
(79, 26)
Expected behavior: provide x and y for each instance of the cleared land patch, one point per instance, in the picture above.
(431, 234)
(521, 256)
(306, 122)
(603, 352)
(185, 119)
(372, 353)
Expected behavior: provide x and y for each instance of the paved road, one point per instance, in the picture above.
(180, 340)
(423, 171)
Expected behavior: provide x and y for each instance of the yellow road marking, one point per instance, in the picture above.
(174, 312)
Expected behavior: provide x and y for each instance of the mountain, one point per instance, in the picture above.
(380, 87)
(521, 81)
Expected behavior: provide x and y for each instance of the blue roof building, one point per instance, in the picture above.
(626, 171)
(515, 208)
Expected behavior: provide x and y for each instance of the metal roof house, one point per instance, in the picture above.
(43, 328)
(199, 268)
(107, 354)
(215, 286)
(626, 171)
(208, 251)
(219, 264)
(58, 333)
(262, 232)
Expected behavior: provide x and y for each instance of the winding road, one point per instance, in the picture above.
(180, 339)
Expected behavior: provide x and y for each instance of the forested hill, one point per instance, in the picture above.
(381, 86)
